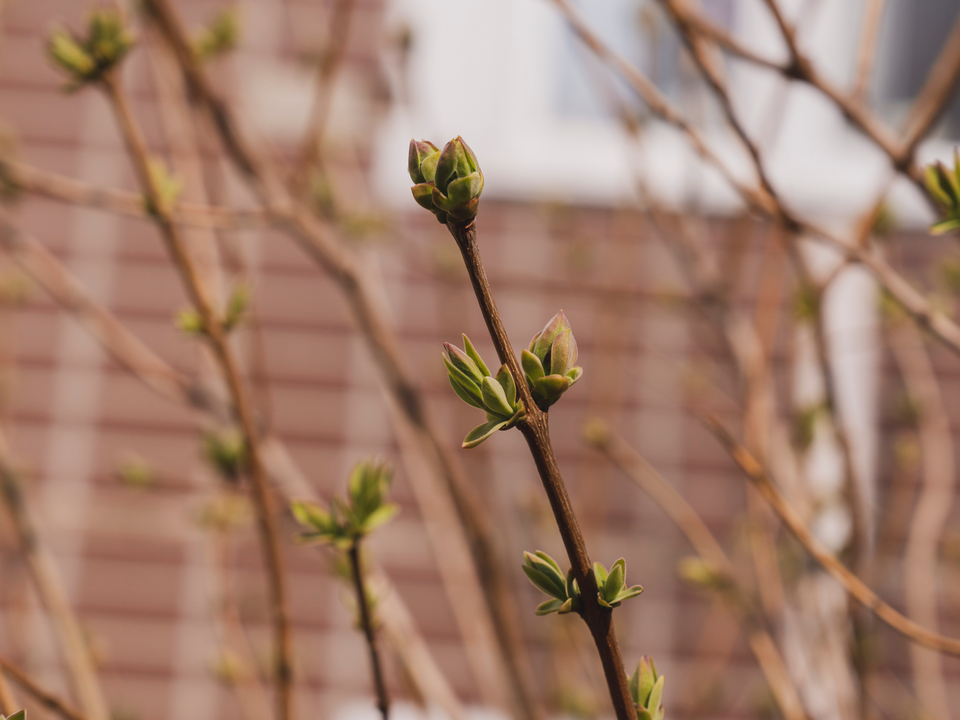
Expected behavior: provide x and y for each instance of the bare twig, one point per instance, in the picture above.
(213, 328)
(329, 64)
(932, 508)
(536, 432)
(366, 622)
(867, 52)
(75, 192)
(672, 502)
(850, 582)
(46, 578)
(937, 90)
(43, 696)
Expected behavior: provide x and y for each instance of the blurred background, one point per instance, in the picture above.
(586, 193)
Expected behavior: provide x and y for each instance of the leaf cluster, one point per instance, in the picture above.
(471, 380)
(87, 58)
(943, 184)
(346, 521)
(646, 687)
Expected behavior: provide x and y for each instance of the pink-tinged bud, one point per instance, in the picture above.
(558, 323)
(460, 360)
(560, 353)
(549, 363)
(456, 177)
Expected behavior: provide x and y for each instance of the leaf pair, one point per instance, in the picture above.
(549, 362)
(190, 322)
(543, 571)
(364, 510)
(471, 380)
(611, 586)
(646, 687)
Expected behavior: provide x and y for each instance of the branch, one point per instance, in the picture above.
(75, 192)
(215, 333)
(937, 90)
(43, 570)
(43, 696)
(672, 502)
(869, 39)
(932, 508)
(366, 622)
(535, 430)
(850, 582)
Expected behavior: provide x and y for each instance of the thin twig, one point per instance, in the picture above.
(535, 430)
(850, 582)
(213, 328)
(52, 186)
(366, 622)
(329, 64)
(932, 508)
(43, 696)
(672, 502)
(867, 53)
(46, 578)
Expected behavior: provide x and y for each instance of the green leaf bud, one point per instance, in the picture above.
(456, 178)
(943, 184)
(87, 58)
(549, 362)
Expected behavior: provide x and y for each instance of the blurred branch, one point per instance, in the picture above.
(75, 192)
(46, 578)
(43, 696)
(672, 502)
(932, 508)
(199, 295)
(938, 88)
(318, 242)
(850, 582)
(867, 52)
(330, 62)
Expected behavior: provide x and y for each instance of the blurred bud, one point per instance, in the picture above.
(549, 363)
(344, 523)
(612, 587)
(471, 380)
(697, 571)
(226, 451)
(943, 184)
(87, 58)
(190, 322)
(448, 181)
(135, 472)
(236, 306)
(220, 36)
(596, 433)
(226, 512)
(168, 189)
(19, 715)
(646, 687)
(545, 574)
(227, 668)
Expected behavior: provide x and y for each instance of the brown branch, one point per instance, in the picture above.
(318, 242)
(330, 62)
(43, 696)
(75, 192)
(46, 579)
(867, 52)
(932, 508)
(938, 88)
(366, 623)
(850, 582)
(199, 295)
(673, 503)
(535, 430)
(906, 295)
